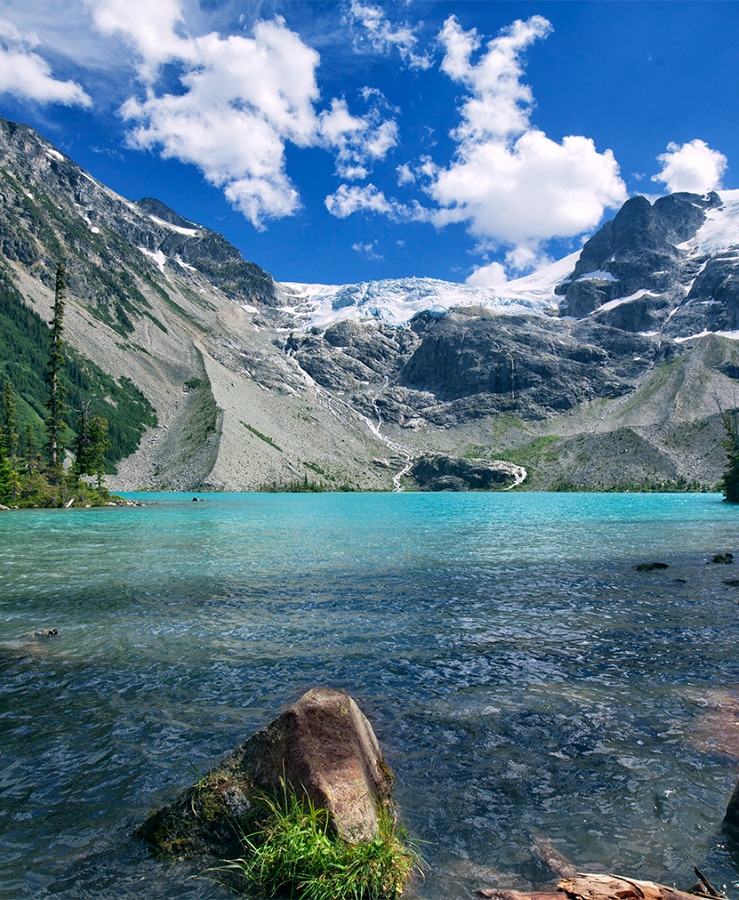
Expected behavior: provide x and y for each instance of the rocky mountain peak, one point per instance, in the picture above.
(638, 273)
(87, 220)
(159, 210)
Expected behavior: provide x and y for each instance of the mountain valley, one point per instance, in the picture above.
(607, 371)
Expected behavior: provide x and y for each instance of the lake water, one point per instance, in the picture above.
(530, 688)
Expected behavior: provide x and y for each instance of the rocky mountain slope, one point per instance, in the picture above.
(606, 370)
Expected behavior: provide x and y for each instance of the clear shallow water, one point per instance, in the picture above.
(527, 684)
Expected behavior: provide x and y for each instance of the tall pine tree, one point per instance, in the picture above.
(55, 424)
(9, 422)
(91, 444)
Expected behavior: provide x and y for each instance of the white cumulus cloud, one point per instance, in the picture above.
(692, 167)
(349, 199)
(27, 75)
(508, 181)
(150, 27)
(490, 275)
(372, 28)
(499, 104)
(358, 141)
(238, 103)
(243, 99)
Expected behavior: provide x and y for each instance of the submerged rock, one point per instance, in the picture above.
(322, 747)
(42, 635)
(725, 559)
(651, 566)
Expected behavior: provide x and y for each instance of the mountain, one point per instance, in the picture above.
(665, 268)
(607, 369)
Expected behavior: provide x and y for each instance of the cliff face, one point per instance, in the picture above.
(668, 267)
(254, 386)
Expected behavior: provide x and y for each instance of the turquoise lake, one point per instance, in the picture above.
(528, 685)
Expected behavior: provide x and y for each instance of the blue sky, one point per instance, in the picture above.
(336, 142)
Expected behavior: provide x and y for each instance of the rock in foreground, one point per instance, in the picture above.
(322, 747)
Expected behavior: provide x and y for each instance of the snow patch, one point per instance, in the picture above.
(189, 232)
(181, 262)
(732, 335)
(720, 231)
(598, 275)
(619, 301)
(156, 256)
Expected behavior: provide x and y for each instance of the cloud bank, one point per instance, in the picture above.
(234, 104)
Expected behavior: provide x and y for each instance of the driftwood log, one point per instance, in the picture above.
(606, 887)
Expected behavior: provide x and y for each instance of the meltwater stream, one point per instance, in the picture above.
(527, 683)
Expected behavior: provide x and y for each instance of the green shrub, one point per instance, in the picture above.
(294, 852)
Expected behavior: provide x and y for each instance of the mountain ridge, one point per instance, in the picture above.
(256, 385)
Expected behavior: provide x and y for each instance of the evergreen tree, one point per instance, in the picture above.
(91, 444)
(9, 422)
(9, 476)
(730, 485)
(31, 455)
(55, 424)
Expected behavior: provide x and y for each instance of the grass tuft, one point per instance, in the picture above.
(295, 853)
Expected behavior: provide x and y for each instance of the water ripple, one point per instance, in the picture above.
(523, 677)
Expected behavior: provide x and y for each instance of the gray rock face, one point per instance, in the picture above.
(322, 746)
(348, 355)
(525, 363)
(50, 202)
(472, 363)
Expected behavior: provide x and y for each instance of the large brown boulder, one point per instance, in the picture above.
(322, 746)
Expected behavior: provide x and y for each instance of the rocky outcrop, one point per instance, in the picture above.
(49, 202)
(447, 473)
(731, 818)
(209, 253)
(322, 747)
(532, 365)
(472, 363)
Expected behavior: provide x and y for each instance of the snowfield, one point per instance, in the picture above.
(395, 301)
